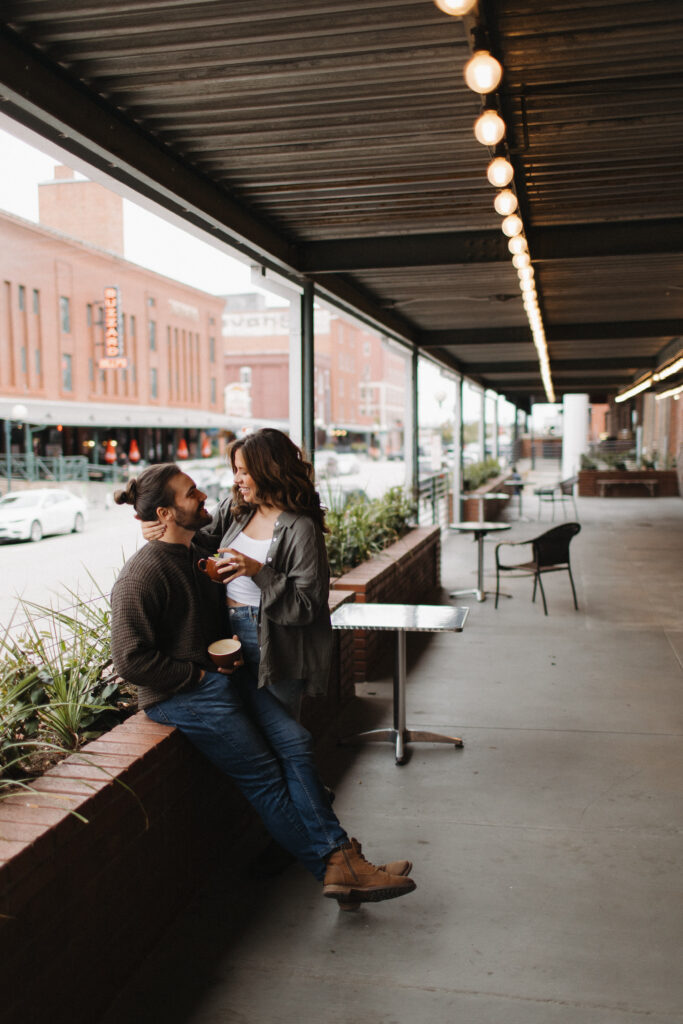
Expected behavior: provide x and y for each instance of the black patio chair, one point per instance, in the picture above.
(550, 554)
(560, 493)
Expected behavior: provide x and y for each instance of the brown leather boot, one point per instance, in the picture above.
(352, 880)
(394, 867)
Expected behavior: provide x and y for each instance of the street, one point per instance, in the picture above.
(44, 572)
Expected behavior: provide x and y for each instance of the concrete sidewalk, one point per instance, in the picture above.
(548, 852)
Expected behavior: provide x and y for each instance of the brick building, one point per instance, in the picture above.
(359, 381)
(161, 377)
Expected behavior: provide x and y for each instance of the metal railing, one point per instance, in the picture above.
(432, 500)
(45, 467)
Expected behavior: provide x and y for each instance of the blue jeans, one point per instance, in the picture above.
(243, 621)
(248, 735)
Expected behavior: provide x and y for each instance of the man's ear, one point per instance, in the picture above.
(165, 514)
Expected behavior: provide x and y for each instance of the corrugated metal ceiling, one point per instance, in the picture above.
(334, 140)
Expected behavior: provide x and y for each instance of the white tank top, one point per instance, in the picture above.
(243, 589)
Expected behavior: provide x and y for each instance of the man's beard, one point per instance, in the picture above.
(190, 520)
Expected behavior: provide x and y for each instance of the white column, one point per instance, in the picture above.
(574, 433)
(482, 425)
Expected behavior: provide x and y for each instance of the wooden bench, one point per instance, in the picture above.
(604, 483)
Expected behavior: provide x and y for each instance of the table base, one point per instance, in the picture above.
(401, 738)
(480, 594)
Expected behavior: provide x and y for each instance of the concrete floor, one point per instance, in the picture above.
(548, 852)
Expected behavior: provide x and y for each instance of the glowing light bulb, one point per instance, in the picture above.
(505, 202)
(521, 260)
(489, 129)
(500, 172)
(517, 244)
(483, 72)
(458, 8)
(512, 225)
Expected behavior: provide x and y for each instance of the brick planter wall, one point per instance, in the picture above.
(493, 509)
(667, 482)
(81, 904)
(407, 572)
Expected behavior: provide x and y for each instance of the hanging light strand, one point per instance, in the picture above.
(483, 74)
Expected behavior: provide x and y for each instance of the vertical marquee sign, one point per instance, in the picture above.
(114, 358)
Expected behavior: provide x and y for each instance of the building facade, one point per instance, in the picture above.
(359, 381)
(97, 349)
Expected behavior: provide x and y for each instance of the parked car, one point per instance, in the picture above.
(33, 514)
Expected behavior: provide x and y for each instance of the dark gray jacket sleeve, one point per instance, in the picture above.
(295, 585)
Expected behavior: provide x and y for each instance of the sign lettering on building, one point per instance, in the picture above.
(114, 358)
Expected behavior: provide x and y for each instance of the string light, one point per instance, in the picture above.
(669, 370)
(499, 172)
(483, 73)
(458, 8)
(489, 128)
(505, 202)
(517, 244)
(635, 390)
(671, 393)
(512, 225)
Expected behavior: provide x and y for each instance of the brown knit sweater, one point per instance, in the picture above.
(165, 613)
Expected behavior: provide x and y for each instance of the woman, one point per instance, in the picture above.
(277, 585)
(277, 575)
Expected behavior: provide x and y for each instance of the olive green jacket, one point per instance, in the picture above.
(295, 634)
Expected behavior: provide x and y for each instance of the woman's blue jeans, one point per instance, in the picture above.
(247, 733)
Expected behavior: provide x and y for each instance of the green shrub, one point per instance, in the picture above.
(360, 528)
(477, 473)
(58, 687)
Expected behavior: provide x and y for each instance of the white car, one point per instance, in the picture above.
(33, 514)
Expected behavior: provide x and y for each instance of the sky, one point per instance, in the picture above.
(148, 240)
(152, 242)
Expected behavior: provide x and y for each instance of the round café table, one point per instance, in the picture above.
(478, 531)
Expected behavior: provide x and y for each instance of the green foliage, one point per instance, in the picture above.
(477, 473)
(58, 687)
(360, 528)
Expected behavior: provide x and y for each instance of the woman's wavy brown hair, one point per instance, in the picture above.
(281, 474)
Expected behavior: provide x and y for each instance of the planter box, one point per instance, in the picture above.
(493, 509)
(406, 572)
(664, 481)
(101, 894)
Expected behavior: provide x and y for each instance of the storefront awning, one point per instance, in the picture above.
(99, 414)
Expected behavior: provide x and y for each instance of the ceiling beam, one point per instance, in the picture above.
(631, 238)
(597, 365)
(613, 330)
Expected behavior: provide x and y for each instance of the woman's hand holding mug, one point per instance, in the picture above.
(236, 563)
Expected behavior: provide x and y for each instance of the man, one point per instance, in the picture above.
(165, 613)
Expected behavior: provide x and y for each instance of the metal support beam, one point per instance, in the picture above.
(444, 249)
(580, 365)
(307, 369)
(412, 439)
(614, 329)
(449, 248)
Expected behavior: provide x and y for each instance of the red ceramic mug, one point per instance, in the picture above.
(209, 566)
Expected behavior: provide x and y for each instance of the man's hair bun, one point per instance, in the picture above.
(129, 495)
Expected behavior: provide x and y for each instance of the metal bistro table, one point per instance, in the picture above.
(401, 619)
(479, 530)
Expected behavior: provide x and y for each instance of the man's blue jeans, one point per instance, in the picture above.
(248, 734)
